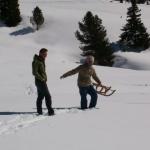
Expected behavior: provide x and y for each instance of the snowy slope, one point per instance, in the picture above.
(120, 122)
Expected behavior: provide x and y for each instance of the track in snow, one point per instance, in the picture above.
(21, 120)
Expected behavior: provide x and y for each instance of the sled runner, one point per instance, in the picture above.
(104, 90)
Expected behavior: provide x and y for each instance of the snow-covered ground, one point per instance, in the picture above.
(120, 122)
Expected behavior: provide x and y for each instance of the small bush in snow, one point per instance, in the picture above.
(37, 19)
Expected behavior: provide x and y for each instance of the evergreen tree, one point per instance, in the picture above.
(134, 35)
(10, 13)
(0, 9)
(93, 39)
(138, 1)
(3, 9)
(38, 17)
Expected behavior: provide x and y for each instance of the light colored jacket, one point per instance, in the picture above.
(85, 72)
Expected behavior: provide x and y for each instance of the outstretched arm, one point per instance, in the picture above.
(71, 72)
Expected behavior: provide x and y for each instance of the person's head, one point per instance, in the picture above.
(43, 53)
(89, 60)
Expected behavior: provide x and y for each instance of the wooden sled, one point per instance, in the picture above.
(104, 90)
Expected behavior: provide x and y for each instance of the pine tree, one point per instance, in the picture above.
(3, 9)
(93, 39)
(134, 34)
(38, 17)
(138, 1)
(10, 13)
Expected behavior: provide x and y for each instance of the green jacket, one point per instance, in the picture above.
(38, 68)
(85, 73)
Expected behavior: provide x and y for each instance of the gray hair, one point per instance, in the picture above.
(91, 58)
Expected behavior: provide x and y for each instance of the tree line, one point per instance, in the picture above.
(137, 1)
(91, 34)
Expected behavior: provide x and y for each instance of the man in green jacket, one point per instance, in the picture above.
(85, 72)
(39, 72)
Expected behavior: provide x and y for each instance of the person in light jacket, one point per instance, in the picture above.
(85, 73)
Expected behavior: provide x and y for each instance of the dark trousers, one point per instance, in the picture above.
(43, 92)
(84, 91)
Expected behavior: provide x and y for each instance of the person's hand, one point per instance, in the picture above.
(61, 77)
(99, 84)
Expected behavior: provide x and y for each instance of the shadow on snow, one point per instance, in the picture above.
(23, 31)
(31, 113)
(16, 113)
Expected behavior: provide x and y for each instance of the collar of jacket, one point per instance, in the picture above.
(38, 58)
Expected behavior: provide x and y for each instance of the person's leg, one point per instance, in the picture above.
(92, 92)
(40, 97)
(48, 100)
(83, 94)
(39, 103)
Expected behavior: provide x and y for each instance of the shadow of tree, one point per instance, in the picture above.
(23, 31)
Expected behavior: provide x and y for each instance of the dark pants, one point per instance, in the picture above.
(83, 93)
(43, 92)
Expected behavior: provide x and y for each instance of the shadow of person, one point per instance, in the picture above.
(16, 113)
